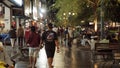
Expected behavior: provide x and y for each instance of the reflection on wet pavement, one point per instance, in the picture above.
(76, 57)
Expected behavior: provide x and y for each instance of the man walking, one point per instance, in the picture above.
(50, 39)
(20, 35)
(33, 41)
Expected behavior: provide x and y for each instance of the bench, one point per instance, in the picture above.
(102, 49)
(115, 47)
(107, 51)
(116, 51)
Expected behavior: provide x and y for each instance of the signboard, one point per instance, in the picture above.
(18, 12)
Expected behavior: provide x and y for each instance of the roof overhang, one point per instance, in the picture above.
(7, 3)
(16, 10)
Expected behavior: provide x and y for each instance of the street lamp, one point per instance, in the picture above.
(67, 17)
(73, 13)
(69, 13)
(102, 20)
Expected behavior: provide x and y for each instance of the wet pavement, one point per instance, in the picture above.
(76, 57)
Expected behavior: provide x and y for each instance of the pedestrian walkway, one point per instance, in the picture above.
(21, 64)
(66, 59)
(76, 57)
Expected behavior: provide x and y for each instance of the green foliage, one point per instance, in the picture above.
(112, 10)
(79, 7)
(86, 10)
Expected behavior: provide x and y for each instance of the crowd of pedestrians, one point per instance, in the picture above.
(51, 37)
(35, 39)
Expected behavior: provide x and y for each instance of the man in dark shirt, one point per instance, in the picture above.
(50, 39)
(12, 34)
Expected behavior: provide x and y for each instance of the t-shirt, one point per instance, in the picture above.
(34, 39)
(49, 38)
(27, 33)
(20, 32)
(12, 33)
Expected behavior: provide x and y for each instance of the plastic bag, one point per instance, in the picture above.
(42, 59)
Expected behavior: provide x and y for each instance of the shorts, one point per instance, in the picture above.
(50, 51)
(33, 51)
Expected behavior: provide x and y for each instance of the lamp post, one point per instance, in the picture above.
(102, 20)
(64, 18)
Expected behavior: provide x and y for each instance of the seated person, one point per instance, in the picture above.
(92, 42)
(4, 58)
(113, 39)
(104, 40)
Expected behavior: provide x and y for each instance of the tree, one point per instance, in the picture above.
(112, 11)
(76, 7)
(87, 10)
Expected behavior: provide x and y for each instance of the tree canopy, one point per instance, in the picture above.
(86, 10)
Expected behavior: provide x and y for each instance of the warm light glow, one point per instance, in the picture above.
(95, 21)
(82, 21)
(107, 26)
(91, 23)
(113, 24)
(95, 66)
(64, 13)
(73, 13)
(69, 13)
(41, 23)
(1, 22)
